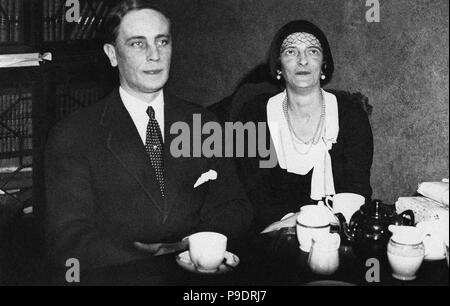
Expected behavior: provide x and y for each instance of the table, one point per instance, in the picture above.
(265, 260)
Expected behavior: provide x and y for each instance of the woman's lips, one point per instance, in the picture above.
(303, 73)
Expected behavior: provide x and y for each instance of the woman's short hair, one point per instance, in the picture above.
(117, 13)
(295, 27)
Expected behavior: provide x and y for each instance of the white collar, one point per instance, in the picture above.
(137, 109)
(317, 156)
(136, 104)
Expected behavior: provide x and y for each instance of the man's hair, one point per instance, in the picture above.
(117, 13)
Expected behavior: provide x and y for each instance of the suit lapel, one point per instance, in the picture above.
(125, 144)
(175, 168)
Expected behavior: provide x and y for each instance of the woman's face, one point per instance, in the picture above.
(301, 61)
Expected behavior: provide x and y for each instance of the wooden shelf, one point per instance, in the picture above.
(16, 154)
(20, 180)
(70, 47)
(78, 75)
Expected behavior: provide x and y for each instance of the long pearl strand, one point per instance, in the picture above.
(317, 134)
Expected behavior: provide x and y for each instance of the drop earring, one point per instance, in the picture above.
(278, 75)
(322, 76)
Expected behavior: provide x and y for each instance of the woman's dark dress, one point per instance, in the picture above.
(275, 192)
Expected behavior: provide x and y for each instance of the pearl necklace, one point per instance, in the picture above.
(317, 134)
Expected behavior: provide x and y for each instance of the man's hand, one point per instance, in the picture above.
(162, 248)
(147, 247)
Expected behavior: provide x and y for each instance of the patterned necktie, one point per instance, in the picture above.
(154, 148)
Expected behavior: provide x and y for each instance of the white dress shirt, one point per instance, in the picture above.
(138, 111)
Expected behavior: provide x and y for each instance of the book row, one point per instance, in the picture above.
(15, 115)
(16, 131)
(59, 23)
(11, 20)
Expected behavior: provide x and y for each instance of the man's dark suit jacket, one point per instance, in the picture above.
(102, 194)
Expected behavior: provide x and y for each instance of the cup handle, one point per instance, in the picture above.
(326, 204)
(344, 229)
(327, 201)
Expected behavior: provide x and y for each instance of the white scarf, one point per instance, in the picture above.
(318, 158)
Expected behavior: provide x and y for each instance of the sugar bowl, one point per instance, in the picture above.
(405, 251)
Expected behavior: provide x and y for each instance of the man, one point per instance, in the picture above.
(113, 187)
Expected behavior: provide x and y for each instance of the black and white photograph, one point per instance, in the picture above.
(226, 149)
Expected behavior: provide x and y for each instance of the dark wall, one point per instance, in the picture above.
(400, 64)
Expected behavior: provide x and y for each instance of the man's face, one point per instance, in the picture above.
(142, 51)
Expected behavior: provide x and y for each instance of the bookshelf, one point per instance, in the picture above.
(51, 26)
(33, 99)
(16, 124)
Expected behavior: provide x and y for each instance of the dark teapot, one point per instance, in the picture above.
(368, 228)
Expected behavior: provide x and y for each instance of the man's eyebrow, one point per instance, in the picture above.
(135, 37)
(144, 38)
(163, 36)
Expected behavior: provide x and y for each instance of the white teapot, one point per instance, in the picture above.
(312, 220)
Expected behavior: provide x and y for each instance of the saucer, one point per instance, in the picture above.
(184, 260)
(329, 283)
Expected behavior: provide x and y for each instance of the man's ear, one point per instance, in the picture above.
(110, 52)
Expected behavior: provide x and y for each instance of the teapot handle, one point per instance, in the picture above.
(407, 217)
(344, 230)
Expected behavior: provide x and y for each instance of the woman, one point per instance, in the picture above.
(323, 142)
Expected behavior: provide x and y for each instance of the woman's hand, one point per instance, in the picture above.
(289, 220)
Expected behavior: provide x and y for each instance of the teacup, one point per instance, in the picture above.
(405, 251)
(207, 250)
(435, 232)
(346, 204)
(312, 221)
